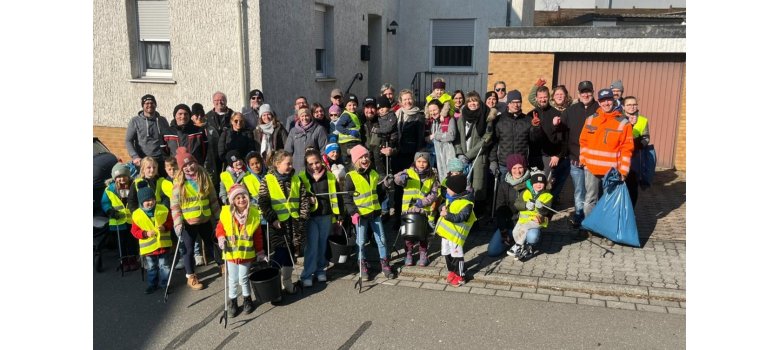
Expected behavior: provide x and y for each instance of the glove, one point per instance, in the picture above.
(114, 214)
(177, 231)
(261, 256)
(529, 205)
(221, 241)
(355, 217)
(463, 159)
(419, 203)
(404, 176)
(354, 133)
(538, 204)
(494, 169)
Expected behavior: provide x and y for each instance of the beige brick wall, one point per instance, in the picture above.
(520, 71)
(114, 139)
(679, 153)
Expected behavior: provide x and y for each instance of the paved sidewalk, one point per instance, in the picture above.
(649, 278)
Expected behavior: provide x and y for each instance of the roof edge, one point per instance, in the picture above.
(647, 31)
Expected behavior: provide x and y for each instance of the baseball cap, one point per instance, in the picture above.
(585, 85)
(369, 101)
(605, 94)
(336, 92)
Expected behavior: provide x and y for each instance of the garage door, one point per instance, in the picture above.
(656, 80)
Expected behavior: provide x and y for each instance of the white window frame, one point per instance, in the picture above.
(160, 33)
(432, 56)
(327, 40)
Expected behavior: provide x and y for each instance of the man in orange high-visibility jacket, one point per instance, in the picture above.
(605, 142)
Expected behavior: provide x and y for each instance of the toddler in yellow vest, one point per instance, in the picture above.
(152, 226)
(455, 221)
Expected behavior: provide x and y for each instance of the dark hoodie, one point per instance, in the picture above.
(192, 137)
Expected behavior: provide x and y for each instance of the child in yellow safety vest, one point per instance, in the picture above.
(421, 190)
(536, 200)
(455, 221)
(236, 172)
(147, 177)
(152, 225)
(239, 233)
(114, 204)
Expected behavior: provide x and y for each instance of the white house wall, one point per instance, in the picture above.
(414, 30)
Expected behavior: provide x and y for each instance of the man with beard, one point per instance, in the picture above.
(551, 147)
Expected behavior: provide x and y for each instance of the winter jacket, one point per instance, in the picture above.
(299, 140)
(378, 133)
(176, 203)
(606, 142)
(323, 202)
(189, 136)
(506, 197)
(293, 229)
(349, 201)
(242, 141)
(552, 141)
(411, 134)
(572, 120)
(513, 134)
(277, 141)
(144, 136)
(216, 126)
(443, 143)
(251, 118)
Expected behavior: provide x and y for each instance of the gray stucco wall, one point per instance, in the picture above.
(287, 52)
(205, 54)
(414, 25)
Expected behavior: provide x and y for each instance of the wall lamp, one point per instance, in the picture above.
(391, 28)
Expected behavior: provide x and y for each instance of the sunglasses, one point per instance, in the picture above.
(236, 121)
(334, 115)
(256, 98)
(500, 89)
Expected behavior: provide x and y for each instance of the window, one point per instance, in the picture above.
(452, 42)
(323, 40)
(154, 38)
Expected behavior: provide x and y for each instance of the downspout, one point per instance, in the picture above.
(242, 50)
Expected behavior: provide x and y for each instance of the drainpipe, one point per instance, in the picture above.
(242, 53)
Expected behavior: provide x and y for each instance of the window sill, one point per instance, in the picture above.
(153, 80)
(325, 80)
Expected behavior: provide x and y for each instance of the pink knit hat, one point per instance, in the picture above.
(357, 152)
(335, 109)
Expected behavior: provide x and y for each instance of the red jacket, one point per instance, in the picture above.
(606, 142)
(138, 233)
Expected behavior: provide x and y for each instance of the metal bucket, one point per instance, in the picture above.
(414, 226)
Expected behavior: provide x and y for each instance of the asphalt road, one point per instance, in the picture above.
(335, 316)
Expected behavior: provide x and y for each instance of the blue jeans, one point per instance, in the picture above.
(238, 274)
(379, 236)
(317, 231)
(159, 268)
(578, 179)
(532, 235)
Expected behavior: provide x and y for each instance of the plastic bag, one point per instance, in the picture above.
(496, 245)
(613, 217)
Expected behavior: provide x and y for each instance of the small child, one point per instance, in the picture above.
(240, 236)
(438, 93)
(170, 172)
(421, 191)
(152, 225)
(234, 173)
(535, 198)
(147, 177)
(257, 168)
(455, 221)
(334, 112)
(114, 204)
(332, 160)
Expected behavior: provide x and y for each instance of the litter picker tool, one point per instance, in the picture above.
(225, 311)
(170, 274)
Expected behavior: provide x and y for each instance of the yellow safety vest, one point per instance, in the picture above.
(444, 98)
(334, 199)
(167, 188)
(162, 239)
(639, 127)
(194, 204)
(528, 215)
(365, 196)
(250, 181)
(244, 246)
(117, 204)
(415, 190)
(157, 188)
(456, 232)
(346, 138)
(284, 207)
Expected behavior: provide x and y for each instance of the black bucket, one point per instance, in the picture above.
(266, 284)
(414, 226)
(341, 248)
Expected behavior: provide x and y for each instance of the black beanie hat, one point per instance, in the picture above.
(148, 97)
(197, 108)
(181, 106)
(145, 194)
(457, 183)
(538, 177)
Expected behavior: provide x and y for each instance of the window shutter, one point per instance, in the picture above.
(154, 20)
(319, 28)
(453, 32)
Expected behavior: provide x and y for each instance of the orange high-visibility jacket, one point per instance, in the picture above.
(606, 142)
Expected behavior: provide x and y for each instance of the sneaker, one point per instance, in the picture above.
(307, 282)
(450, 276)
(513, 251)
(150, 289)
(199, 260)
(322, 277)
(456, 281)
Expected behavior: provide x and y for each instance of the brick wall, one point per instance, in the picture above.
(520, 71)
(114, 139)
(679, 153)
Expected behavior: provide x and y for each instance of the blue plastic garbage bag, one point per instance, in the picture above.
(613, 217)
(496, 245)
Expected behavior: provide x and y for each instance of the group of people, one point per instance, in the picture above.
(322, 170)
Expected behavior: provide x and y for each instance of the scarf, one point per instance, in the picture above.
(149, 212)
(424, 174)
(304, 128)
(266, 132)
(477, 118)
(445, 125)
(282, 177)
(316, 176)
(405, 113)
(511, 180)
(240, 216)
